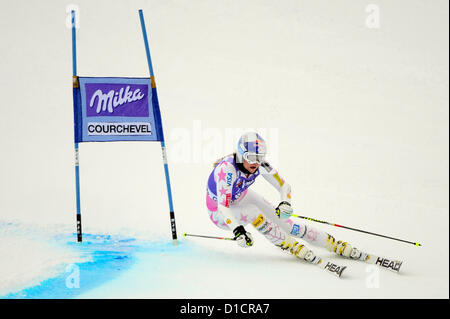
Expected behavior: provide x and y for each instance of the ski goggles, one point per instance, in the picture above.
(253, 158)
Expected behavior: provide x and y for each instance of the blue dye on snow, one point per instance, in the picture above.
(109, 258)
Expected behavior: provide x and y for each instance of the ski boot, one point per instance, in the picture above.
(302, 252)
(344, 249)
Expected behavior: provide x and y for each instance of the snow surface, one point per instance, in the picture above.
(356, 120)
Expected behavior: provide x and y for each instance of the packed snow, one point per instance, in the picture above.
(355, 116)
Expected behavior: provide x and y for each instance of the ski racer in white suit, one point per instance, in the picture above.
(232, 205)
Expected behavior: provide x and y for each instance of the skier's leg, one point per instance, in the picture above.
(217, 217)
(247, 212)
(320, 238)
(214, 214)
(309, 234)
(261, 218)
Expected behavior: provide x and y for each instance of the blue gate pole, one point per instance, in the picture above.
(161, 137)
(77, 164)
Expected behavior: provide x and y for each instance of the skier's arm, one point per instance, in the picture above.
(284, 209)
(271, 175)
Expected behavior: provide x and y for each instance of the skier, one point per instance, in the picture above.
(231, 205)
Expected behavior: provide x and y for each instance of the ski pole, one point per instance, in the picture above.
(211, 237)
(354, 229)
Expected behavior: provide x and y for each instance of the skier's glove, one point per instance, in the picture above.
(242, 237)
(284, 210)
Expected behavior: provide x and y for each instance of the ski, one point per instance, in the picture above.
(387, 263)
(331, 267)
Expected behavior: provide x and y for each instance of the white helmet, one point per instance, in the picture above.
(251, 147)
